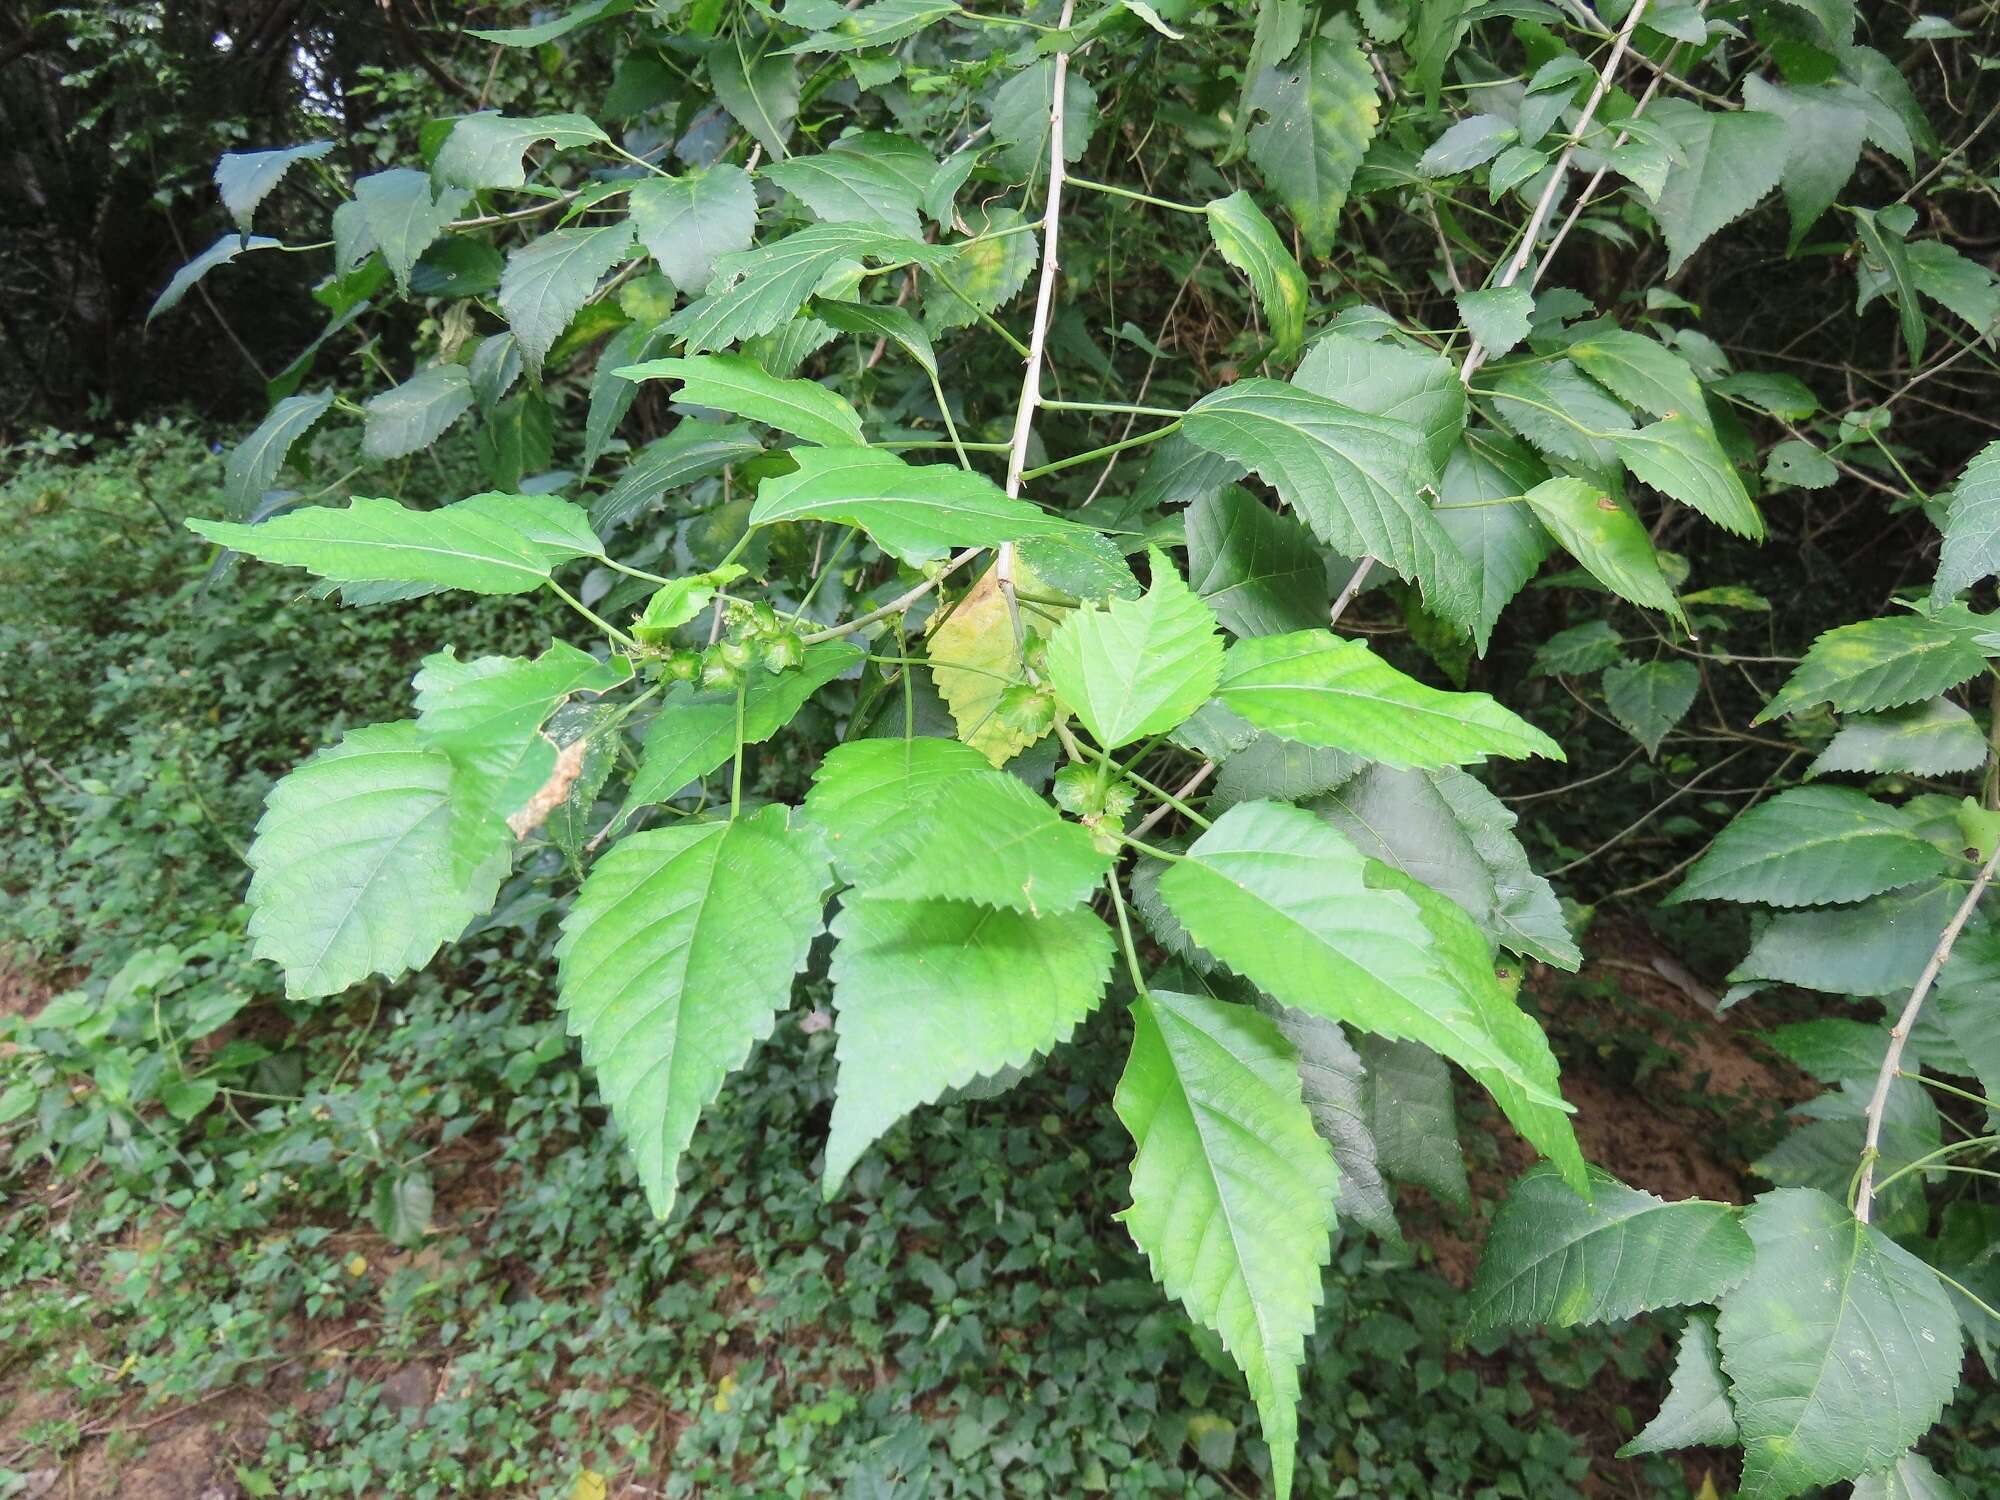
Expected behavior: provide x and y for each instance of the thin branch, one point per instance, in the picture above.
(1892, 1060)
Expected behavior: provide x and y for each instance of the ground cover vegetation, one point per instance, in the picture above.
(941, 720)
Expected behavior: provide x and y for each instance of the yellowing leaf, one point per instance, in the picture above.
(590, 1485)
(975, 659)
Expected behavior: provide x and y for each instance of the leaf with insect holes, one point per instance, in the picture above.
(1319, 109)
(484, 150)
(1140, 666)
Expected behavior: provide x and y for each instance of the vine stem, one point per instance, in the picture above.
(1892, 1060)
(1476, 355)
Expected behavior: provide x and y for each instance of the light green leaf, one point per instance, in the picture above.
(753, 291)
(863, 788)
(675, 960)
(1320, 110)
(484, 150)
(872, 177)
(1257, 569)
(915, 512)
(1497, 316)
(695, 731)
(1140, 666)
(678, 601)
(410, 417)
(1696, 1412)
(1911, 1479)
(549, 31)
(933, 994)
(221, 253)
(1784, 396)
(1681, 456)
(1649, 698)
(549, 279)
(1284, 900)
(1385, 379)
(1320, 689)
(1885, 663)
(404, 216)
(1357, 480)
(1935, 738)
(1556, 1259)
(1020, 112)
(741, 387)
(1232, 1191)
(1249, 243)
(1812, 846)
(1971, 548)
(1641, 371)
(1607, 539)
(692, 451)
(487, 544)
(245, 178)
(1841, 1347)
(255, 463)
(1732, 159)
(1875, 948)
(880, 23)
(1495, 531)
(689, 223)
(762, 93)
(989, 273)
(363, 864)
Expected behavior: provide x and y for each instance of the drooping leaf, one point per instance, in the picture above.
(1256, 568)
(915, 512)
(761, 92)
(221, 253)
(976, 662)
(1607, 539)
(404, 215)
(363, 864)
(741, 387)
(1809, 847)
(1414, 1118)
(1527, 918)
(1496, 532)
(1319, 109)
(1971, 548)
(1696, 1412)
(1356, 480)
(1882, 663)
(692, 451)
(1248, 242)
(1320, 689)
(1731, 159)
(872, 177)
(487, 544)
(933, 994)
(1650, 697)
(753, 291)
(484, 150)
(1334, 1085)
(410, 417)
(688, 223)
(1140, 666)
(675, 960)
(1681, 456)
(1557, 1259)
(1886, 262)
(611, 394)
(243, 179)
(1841, 1347)
(983, 274)
(548, 279)
(1232, 1190)
(255, 463)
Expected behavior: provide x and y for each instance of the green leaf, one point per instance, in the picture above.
(1731, 160)
(1020, 112)
(1875, 948)
(1563, 412)
(1812, 846)
(245, 178)
(753, 291)
(1284, 900)
(1467, 143)
(255, 463)
(1526, 918)
(762, 93)
(487, 544)
(1841, 1347)
(1334, 1086)
(871, 322)
(1696, 1412)
(1650, 698)
(1784, 396)
(1885, 663)
(1797, 464)
(404, 216)
(1641, 371)
(1963, 286)
(872, 177)
(1248, 242)
(1578, 651)
(914, 512)
(692, 451)
(549, 31)
(1607, 539)
(1497, 316)
(880, 23)
(611, 395)
(864, 788)
(410, 417)
(1280, 770)
(1556, 1259)
(1414, 1119)
(1232, 1190)
(1141, 666)
(741, 387)
(675, 960)
(1495, 531)
(1384, 379)
(363, 863)
(1320, 111)
(689, 223)
(221, 253)
(1356, 480)
(1681, 456)
(1936, 738)
(933, 994)
(484, 150)
(549, 279)
(1317, 688)
(695, 731)
(1911, 1479)
(1257, 569)
(1886, 260)
(1824, 129)
(991, 841)
(1971, 548)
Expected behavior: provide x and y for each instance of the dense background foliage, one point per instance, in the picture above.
(389, 1239)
